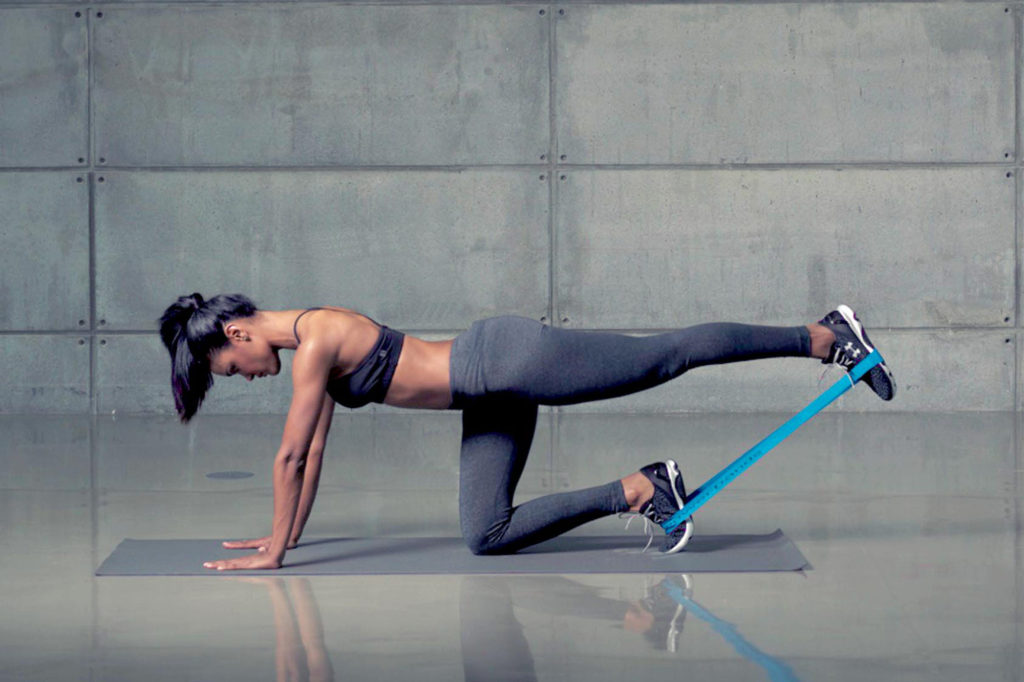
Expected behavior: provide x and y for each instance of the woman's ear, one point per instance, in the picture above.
(233, 332)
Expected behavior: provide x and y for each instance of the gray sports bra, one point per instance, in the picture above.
(369, 381)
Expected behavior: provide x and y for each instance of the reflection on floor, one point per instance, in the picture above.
(911, 523)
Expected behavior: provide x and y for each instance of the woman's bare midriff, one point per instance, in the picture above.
(421, 378)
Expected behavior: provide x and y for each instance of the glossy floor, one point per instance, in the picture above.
(911, 523)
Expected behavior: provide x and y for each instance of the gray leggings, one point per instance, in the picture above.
(502, 368)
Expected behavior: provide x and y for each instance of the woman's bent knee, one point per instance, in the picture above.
(481, 543)
(478, 547)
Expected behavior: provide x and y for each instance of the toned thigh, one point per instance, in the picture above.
(496, 439)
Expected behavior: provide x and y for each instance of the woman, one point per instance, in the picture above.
(497, 373)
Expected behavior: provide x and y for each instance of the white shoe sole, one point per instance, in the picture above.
(673, 475)
(678, 547)
(855, 325)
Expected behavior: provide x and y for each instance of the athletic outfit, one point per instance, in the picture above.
(369, 381)
(503, 367)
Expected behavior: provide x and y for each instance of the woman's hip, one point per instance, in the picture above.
(490, 349)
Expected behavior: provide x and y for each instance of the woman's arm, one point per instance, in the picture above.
(311, 472)
(310, 475)
(310, 368)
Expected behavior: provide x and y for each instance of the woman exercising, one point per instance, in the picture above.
(497, 372)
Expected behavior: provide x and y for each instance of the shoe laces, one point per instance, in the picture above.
(647, 527)
(829, 368)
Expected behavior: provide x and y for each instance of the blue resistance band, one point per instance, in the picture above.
(714, 485)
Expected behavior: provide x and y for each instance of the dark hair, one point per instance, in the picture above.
(191, 329)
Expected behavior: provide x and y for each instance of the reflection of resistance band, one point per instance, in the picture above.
(776, 669)
(701, 495)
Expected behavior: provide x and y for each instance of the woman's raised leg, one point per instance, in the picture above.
(525, 359)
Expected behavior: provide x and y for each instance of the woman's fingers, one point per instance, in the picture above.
(246, 562)
(262, 544)
(241, 544)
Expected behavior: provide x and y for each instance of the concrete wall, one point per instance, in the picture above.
(622, 166)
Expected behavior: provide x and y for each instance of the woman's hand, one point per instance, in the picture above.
(250, 562)
(261, 545)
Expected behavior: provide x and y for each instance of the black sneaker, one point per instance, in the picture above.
(665, 605)
(669, 496)
(853, 345)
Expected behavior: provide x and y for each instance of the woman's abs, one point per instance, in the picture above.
(422, 378)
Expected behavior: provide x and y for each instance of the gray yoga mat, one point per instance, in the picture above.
(391, 555)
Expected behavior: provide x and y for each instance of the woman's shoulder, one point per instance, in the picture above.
(346, 331)
(333, 316)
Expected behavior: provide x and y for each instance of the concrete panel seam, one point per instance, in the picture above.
(92, 296)
(471, 3)
(1017, 80)
(1017, 357)
(972, 329)
(618, 330)
(1016, 13)
(155, 333)
(1017, 288)
(91, 152)
(320, 168)
(822, 166)
(44, 332)
(551, 169)
(546, 167)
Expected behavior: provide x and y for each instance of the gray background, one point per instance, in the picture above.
(733, 160)
(617, 166)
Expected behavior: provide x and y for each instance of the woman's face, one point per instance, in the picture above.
(246, 354)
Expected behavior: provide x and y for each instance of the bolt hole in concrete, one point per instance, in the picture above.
(230, 474)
